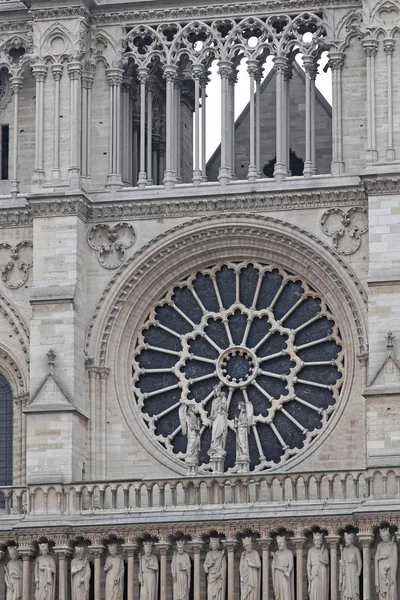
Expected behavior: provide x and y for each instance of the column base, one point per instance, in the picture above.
(142, 180)
(337, 168)
(280, 172)
(15, 188)
(390, 154)
(224, 175)
(150, 181)
(114, 182)
(204, 178)
(56, 177)
(38, 180)
(242, 466)
(74, 178)
(191, 469)
(308, 169)
(169, 179)
(217, 465)
(197, 177)
(252, 173)
(372, 156)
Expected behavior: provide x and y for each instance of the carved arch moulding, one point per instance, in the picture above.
(165, 263)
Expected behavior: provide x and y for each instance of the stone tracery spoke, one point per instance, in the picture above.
(265, 335)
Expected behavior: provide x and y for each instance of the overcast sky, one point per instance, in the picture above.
(242, 97)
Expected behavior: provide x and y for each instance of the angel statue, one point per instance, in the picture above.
(191, 427)
(242, 423)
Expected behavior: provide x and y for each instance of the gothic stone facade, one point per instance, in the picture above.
(184, 358)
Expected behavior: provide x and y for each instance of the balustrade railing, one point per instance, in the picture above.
(333, 487)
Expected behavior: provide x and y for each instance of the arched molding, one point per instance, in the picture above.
(191, 246)
(14, 372)
(350, 26)
(14, 318)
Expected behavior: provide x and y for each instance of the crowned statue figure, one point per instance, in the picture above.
(386, 566)
(250, 571)
(350, 569)
(318, 569)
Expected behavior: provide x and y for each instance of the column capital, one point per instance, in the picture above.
(74, 70)
(336, 60)
(197, 71)
(265, 542)
(388, 45)
(57, 71)
(87, 80)
(370, 46)
(225, 69)
(39, 71)
(96, 549)
(298, 541)
(170, 72)
(163, 547)
(332, 540)
(366, 539)
(130, 547)
(114, 76)
(230, 545)
(63, 551)
(103, 372)
(195, 545)
(16, 84)
(252, 66)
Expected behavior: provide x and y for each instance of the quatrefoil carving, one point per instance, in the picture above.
(111, 242)
(15, 262)
(345, 227)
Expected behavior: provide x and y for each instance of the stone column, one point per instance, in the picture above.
(298, 542)
(388, 45)
(97, 551)
(333, 542)
(366, 540)
(197, 174)
(26, 552)
(16, 85)
(307, 63)
(39, 72)
(114, 78)
(371, 48)
(196, 546)
(252, 67)
(280, 65)
(203, 82)
(163, 549)
(231, 121)
(225, 71)
(127, 131)
(336, 61)
(57, 71)
(265, 543)
(230, 545)
(130, 549)
(63, 552)
(103, 419)
(286, 152)
(74, 171)
(313, 71)
(258, 79)
(86, 137)
(170, 74)
(149, 159)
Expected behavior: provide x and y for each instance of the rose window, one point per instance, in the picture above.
(262, 336)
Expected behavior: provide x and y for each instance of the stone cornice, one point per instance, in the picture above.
(59, 206)
(127, 209)
(381, 186)
(221, 10)
(162, 208)
(59, 12)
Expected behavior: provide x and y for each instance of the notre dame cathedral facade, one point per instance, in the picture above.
(199, 351)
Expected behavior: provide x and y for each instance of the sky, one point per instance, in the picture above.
(242, 96)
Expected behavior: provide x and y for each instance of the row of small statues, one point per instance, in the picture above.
(215, 567)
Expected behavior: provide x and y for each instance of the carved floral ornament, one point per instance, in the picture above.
(15, 263)
(260, 333)
(345, 227)
(111, 242)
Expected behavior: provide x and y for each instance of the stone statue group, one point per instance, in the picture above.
(215, 568)
(193, 428)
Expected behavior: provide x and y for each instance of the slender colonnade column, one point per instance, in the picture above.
(370, 48)
(333, 543)
(258, 79)
(336, 61)
(252, 67)
(130, 548)
(203, 82)
(197, 173)
(170, 74)
(299, 542)
(225, 174)
(16, 85)
(97, 551)
(57, 71)
(366, 540)
(39, 72)
(280, 64)
(230, 545)
(115, 78)
(308, 166)
(265, 543)
(388, 45)
(149, 160)
(74, 171)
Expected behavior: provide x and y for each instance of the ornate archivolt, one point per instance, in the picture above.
(145, 278)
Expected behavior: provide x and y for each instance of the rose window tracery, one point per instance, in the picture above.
(261, 333)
